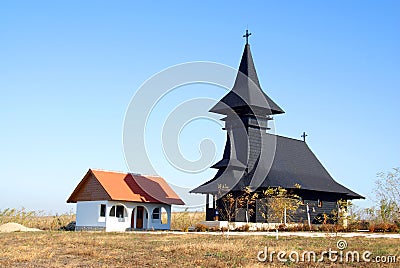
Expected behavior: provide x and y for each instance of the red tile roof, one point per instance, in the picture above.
(129, 187)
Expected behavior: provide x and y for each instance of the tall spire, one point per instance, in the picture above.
(246, 93)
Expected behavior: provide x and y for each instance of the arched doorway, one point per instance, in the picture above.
(138, 217)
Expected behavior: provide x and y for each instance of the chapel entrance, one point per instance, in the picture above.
(139, 217)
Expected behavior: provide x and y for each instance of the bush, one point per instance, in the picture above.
(69, 227)
(393, 228)
(201, 228)
(363, 225)
(327, 228)
(224, 229)
(384, 227)
(282, 228)
(243, 228)
(299, 228)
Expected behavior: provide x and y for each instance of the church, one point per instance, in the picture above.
(255, 158)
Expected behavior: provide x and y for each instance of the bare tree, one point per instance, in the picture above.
(227, 204)
(230, 204)
(387, 192)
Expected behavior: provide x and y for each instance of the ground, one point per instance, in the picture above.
(150, 249)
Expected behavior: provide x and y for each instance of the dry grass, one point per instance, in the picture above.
(179, 220)
(147, 249)
(34, 219)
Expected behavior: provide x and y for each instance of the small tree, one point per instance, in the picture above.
(278, 203)
(387, 192)
(227, 204)
(231, 204)
(344, 214)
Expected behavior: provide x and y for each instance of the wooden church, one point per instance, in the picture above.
(256, 159)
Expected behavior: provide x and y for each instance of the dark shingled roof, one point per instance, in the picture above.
(247, 90)
(249, 158)
(293, 163)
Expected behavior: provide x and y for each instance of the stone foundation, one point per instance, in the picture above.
(90, 228)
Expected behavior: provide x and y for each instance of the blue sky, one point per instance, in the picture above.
(68, 70)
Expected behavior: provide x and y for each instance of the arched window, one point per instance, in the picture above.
(164, 216)
(112, 211)
(117, 211)
(156, 214)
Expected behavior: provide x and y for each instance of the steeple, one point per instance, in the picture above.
(246, 96)
(245, 105)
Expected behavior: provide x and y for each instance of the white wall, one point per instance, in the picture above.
(115, 224)
(88, 215)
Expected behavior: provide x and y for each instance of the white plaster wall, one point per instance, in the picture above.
(88, 214)
(115, 224)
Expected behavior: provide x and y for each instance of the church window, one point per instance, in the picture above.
(102, 210)
(156, 214)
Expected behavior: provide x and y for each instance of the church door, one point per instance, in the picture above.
(139, 218)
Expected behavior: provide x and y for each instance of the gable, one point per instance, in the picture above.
(116, 185)
(89, 189)
(119, 186)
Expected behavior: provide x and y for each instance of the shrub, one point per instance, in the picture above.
(327, 228)
(201, 228)
(363, 225)
(298, 227)
(393, 228)
(282, 228)
(384, 227)
(224, 229)
(69, 227)
(243, 228)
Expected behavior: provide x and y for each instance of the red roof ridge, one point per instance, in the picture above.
(144, 175)
(108, 170)
(125, 172)
(127, 186)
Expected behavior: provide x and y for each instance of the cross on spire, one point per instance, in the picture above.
(304, 136)
(247, 36)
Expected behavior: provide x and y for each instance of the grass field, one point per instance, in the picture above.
(179, 220)
(147, 249)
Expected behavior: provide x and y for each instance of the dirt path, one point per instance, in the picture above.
(281, 234)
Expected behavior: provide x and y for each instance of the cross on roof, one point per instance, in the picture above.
(304, 136)
(247, 36)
